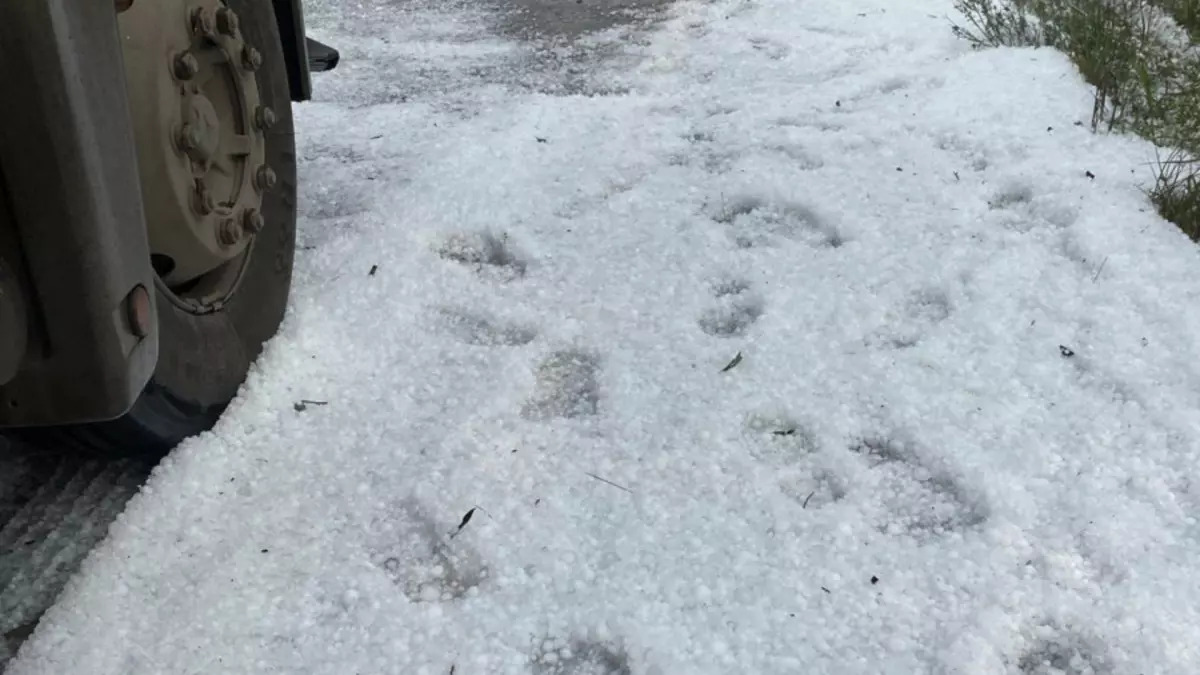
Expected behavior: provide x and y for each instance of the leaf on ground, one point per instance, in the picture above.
(302, 404)
(733, 364)
(463, 523)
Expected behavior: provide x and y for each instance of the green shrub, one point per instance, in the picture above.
(1146, 78)
(1176, 193)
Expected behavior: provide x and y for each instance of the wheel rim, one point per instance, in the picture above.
(200, 129)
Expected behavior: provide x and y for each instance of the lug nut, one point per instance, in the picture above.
(227, 22)
(203, 24)
(252, 221)
(251, 59)
(264, 178)
(229, 232)
(264, 117)
(202, 200)
(190, 138)
(185, 66)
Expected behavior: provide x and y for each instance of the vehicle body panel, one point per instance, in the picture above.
(68, 163)
(290, 16)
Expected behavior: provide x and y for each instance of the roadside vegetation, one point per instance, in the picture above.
(1141, 57)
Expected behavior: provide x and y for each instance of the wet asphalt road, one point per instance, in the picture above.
(55, 508)
(570, 19)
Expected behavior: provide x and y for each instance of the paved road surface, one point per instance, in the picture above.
(53, 510)
(559, 19)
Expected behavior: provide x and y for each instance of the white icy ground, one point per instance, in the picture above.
(963, 436)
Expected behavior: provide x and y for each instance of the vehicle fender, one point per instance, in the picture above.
(289, 14)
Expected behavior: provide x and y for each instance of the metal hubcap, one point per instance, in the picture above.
(201, 134)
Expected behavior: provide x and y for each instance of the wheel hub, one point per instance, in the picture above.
(201, 139)
(200, 135)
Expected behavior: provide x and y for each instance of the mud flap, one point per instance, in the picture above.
(68, 161)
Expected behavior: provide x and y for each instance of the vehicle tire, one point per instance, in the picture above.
(205, 357)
